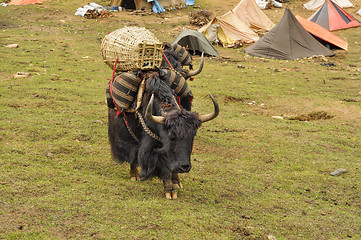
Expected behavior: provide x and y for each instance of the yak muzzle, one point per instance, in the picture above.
(184, 168)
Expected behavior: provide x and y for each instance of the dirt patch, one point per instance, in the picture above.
(243, 231)
(312, 116)
(227, 130)
(7, 25)
(349, 100)
(228, 99)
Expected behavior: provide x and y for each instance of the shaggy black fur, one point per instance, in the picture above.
(173, 62)
(155, 158)
(160, 87)
(182, 124)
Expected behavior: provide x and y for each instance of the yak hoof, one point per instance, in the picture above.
(171, 195)
(178, 185)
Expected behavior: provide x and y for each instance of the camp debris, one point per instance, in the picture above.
(195, 42)
(266, 4)
(134, 47)
(288, 40)
(333, 17)
(158, 6)
(93, 10)
(316, 4)
(200, 18)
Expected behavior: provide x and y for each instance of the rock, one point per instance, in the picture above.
(329, 64)
(338, 172)
(271, 237)
(15, 45)
(21, 75)
(277, 117)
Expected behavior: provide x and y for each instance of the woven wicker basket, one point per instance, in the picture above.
(135, 48)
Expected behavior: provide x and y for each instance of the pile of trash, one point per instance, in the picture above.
(265, 4)
(93, 10)
(200, 18)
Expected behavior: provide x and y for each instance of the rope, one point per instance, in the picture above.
(130, 130)
(111, 85)
(167, 60)
(146, 129)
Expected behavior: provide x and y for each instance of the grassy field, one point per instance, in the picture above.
(254, 176)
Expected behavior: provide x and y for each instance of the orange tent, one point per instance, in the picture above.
(322, 33)
(25, 2)
(333, 17)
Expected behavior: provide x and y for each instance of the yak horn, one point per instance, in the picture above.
(199, 70)
(210, 116)
(149, 115)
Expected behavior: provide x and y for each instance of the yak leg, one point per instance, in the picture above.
(176, 181)
(134, 172)
(169, 190)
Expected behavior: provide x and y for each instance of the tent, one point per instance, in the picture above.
(315, 4)
(332, 17)
(146, 4)
(250, 13)
(288, 40)
(195, 41)
(25, 2)
(323, 35)
(228, 29)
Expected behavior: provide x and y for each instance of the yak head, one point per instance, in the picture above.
(180, 127)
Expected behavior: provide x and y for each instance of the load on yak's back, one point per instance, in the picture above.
(149, 105)
(131, 52)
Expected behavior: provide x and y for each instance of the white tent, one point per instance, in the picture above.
(315, 4)
(250, 13)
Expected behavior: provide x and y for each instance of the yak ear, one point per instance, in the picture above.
(161, 72)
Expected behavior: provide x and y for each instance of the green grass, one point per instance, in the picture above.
(253, 175)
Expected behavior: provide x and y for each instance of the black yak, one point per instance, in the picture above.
(158, 137)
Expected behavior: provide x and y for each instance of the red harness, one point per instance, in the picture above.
(111, 85)
(178, 98)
